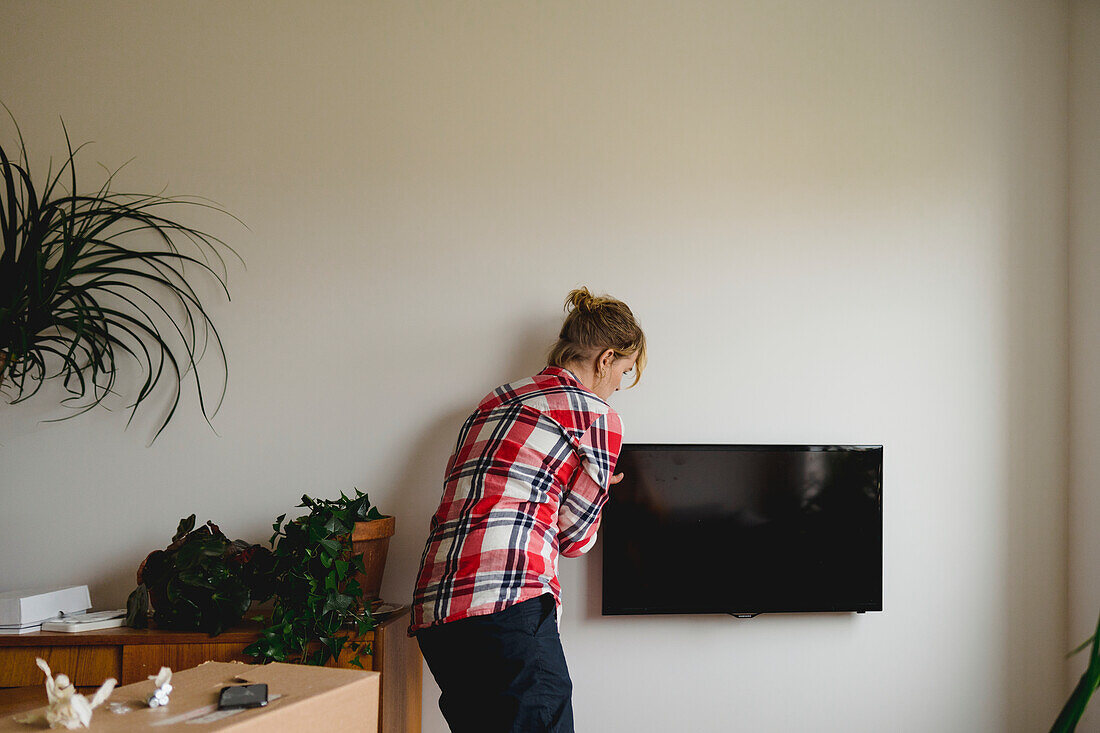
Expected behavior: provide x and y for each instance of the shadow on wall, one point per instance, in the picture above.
(1034, 488)
(593, 604)
(419, 484)
(418, 478)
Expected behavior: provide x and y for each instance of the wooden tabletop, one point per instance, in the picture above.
(245, 631)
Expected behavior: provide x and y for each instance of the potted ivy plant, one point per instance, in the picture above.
(201, 582)
(92, 280)
(328, 568)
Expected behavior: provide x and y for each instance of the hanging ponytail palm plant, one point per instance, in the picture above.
(91, 283)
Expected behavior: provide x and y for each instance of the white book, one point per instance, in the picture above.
(20, 608)
(91, 621)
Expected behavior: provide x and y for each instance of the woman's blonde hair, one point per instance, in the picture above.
(594, 324)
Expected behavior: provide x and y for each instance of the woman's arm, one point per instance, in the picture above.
(579, 511)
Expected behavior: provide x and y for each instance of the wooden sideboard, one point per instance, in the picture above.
(131, 655)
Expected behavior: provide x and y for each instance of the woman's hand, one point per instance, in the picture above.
(616, 478)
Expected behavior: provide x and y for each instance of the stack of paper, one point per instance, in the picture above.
(23, 611)
(91, 621)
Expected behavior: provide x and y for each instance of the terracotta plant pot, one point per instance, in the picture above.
(372, 541)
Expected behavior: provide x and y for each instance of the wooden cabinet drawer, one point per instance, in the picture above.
(85, 665)
(141, 660)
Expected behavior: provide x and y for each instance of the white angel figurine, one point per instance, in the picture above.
(163, 682)
(67, 708)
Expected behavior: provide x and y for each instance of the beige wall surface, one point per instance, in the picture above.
(839, 222)
(1084, 320)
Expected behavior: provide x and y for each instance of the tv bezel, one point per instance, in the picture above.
(872, 606)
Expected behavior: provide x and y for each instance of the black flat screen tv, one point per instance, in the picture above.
(744, 529)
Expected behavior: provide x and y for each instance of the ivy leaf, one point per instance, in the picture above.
(353, 588)
(360, 508)
(337, 602)
(335, 526)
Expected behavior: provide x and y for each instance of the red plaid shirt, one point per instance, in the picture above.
(526, 483)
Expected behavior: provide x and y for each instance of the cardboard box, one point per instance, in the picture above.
(302, 698)
(23, 607)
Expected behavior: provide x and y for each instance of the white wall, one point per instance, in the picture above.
(837, 221)
(1084, 311)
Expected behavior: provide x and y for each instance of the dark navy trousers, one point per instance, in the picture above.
(502, 673)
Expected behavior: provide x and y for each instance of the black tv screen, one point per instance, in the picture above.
(744, 529)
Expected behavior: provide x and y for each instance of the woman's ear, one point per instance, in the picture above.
(604, 362)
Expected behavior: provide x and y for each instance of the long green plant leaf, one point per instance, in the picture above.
(1079, 699)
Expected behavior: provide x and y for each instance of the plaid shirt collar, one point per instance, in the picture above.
(567, 376)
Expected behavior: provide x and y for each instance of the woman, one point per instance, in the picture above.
(525, 484)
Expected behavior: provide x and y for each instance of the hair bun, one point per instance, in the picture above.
(582, 299)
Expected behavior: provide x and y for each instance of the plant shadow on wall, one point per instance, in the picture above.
(89, 281)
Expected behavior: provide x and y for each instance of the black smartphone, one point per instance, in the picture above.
(243, 696)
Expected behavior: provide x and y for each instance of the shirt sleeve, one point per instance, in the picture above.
(579, 512)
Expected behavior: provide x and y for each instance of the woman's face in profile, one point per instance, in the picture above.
(613, 381)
